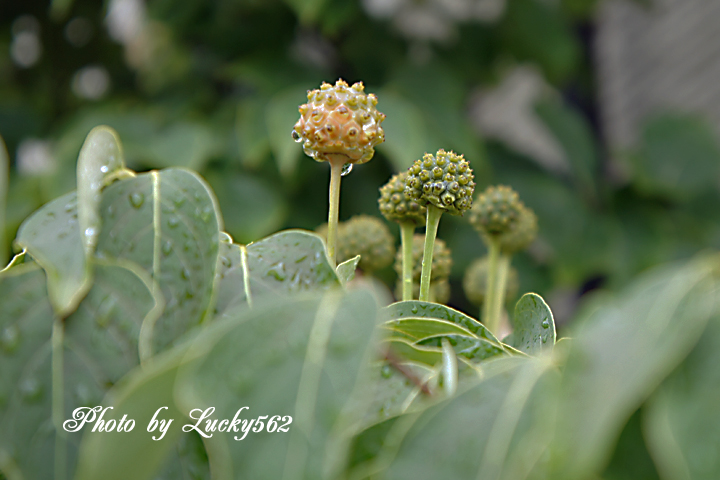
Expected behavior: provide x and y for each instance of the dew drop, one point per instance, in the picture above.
(173, 222)
(30, 389)
(10, 339)
(90, 232)
(178, 201)
(137, 199)
(185, 273)
(386, 371)
(545, 323)
(225, 238)
(414, 309)
(167, 248)
(296, 136)
(346, 169)
(104, 169)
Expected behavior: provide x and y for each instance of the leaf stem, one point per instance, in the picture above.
(58, 393)
(433, 219)
(407, 230)
(336, 164)
(491, 315)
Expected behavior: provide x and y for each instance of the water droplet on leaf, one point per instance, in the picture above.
(545, 323)
(10, 339)
(30, 389)
(173, 222)
(137, 199)
(386, 371)
(167, 248)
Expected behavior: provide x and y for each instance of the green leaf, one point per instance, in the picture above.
(281, 113)
(52, 236)
(681, 421)
(316, 350)
(287, 262)
(4, 172)
(99, 345)
(101, 159)
(498, 428)
(346, 270)
(429, 320)
(679, 157)
(533, 325)
(168, 223)
(134, 454)
(406, 135)
(575, 135)
(621, 352)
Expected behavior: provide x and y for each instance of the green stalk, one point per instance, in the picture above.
(407, 230)
(498, 302)
(336, 165)
(57, 342)
(489, 317)
(433, 219)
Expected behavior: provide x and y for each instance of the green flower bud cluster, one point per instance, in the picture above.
(475, 282)
(444, 180)
(441, 267)
(340, 120)
(522, 234)
(368, 237)
(496, 210)
(397, 206)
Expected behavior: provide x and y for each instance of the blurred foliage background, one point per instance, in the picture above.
(214, 86)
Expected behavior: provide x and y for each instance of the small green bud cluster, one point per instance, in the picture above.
(444, 180)
(340, 120)
(397, 206)
(475, 282)
(441, 267)
(368, 237)
(498, 212)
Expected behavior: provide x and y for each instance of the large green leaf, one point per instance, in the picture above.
(533, 325)
(306, 358)
(135, 454)
(499, 428)
(52, 236)
(681, 421)
(47, 372)
(166, 222)
(619, 355)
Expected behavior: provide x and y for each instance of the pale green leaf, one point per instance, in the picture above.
(101, 158)
(346, 270)
(533, 325)
(619, 355)
(52, 236)
(4, 172)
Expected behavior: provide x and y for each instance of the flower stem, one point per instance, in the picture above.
(489, 317)
(433, 219)
(498, 302)
(336, 165)
(407, 230)
(57, 342)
